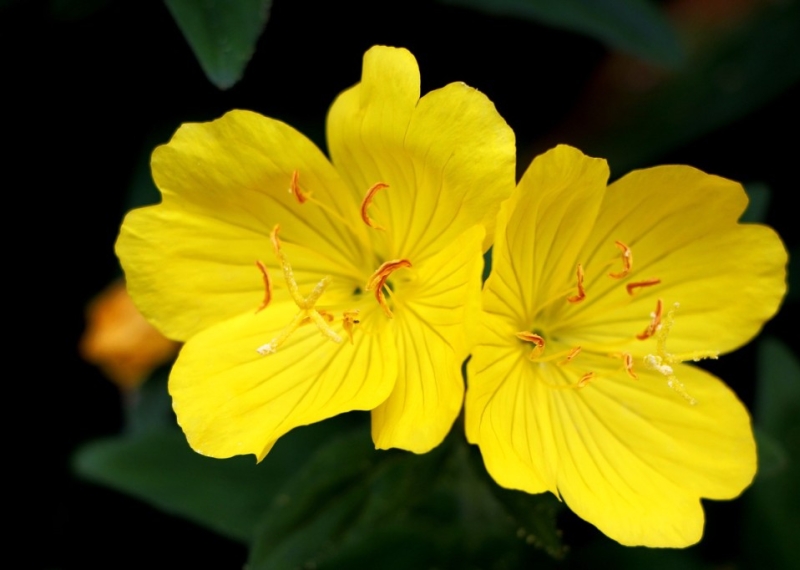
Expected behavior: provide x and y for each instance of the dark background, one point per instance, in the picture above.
(94, 85)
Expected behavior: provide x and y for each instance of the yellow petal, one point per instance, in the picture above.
(540, 232)
(631, 457)
(230, 400)
(431, 328)
(190, 261)
(448, 158)
(681, 225)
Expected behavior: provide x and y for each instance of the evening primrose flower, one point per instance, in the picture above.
(305, 288)
(597, 298)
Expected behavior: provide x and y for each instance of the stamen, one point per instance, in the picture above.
(570, 355)
(585, 379)
(273, 345)
(536, 340)
(295, 188)
(378, 281)
(267, 286)
(349, 320)
(367, 201)
(581, 292)
(627, 261)
(655, 323)
(662, 360)
(288, 274)
(627, 359)
(631, 287)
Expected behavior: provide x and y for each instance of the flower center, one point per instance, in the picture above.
(658, 328)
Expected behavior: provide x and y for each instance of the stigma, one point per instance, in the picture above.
(308, 313)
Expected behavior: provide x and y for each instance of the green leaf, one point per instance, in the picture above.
(634, 26)
(149, 408)
(772, 519)
(221, 33)
(759, 196)
(722, 82)
(344, 492)
(225, 495)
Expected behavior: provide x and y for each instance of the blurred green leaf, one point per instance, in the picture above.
(74, 10)
(772, 457)
(724, 81)
(222, 34)
(759, 196)
(345, 491)
(619, 557)
(773, 502)
(227, 496)
(149, 408)
(638, 27)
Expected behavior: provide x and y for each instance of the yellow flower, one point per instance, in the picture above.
(596, 298)
(307, 288)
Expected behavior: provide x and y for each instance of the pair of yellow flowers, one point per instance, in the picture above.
(306, 287)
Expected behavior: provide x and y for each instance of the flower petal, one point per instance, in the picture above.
(431, 326)
(631, 457)
(681, 225)
(190, 261)
(230, 400)
(448, 157)
(540, 231)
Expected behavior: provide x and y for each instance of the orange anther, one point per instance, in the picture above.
(585, 379)
(631, 287)
(535, 339)
(349, 320)
(273, 236)
(627, 359)
(378, 281)
(267, 286)
(655, 323)
(322, 313)
(581, 292)
(367, 201)
(627, 261)
(295, 188)
(572, 354)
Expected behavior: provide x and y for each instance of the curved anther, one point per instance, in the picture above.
(632, 287)
(536, 340)
(570, 355)
(627, 261)
(378, 281)
(581, 292)
(295, 188)
(655, 323)
(367, 201)
(585, 379)
(627, 359)
(267, 286)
